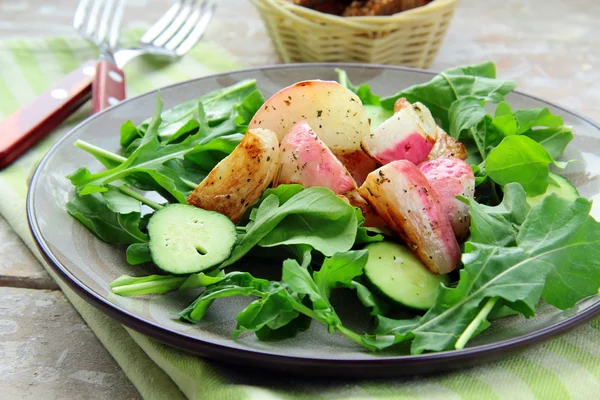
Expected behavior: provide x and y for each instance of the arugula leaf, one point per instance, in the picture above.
(221, 112)
(339, 270)
(110, 226)
(486, 70)
(203, 279)
(195, 123)
(369, 300)
(314, 216)
(556, 243)
(148, 158)
(129, 132)
(563, 236)
(152, 164)
(273, 310)
(299, 324)
(119, 202)
(499, 225)
(365, 235)
(138, 253)
(554, 140)
(521, 159)
(390, 331)
(233, 284)
(450, 85)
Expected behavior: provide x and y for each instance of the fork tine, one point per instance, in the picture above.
(199, 30)
(104, 21)
(80, 14)
(93, 20)
(175, 25)
(115, 27)
(162, 23)
(192, 20)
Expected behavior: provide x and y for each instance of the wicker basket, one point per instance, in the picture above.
(411, 38)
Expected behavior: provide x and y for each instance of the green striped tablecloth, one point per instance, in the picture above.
(567, 367)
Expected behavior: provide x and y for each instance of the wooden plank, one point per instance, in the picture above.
(47, 351)
(18, 267)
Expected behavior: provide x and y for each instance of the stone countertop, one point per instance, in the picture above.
(551, 47)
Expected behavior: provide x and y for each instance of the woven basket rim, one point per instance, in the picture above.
(308, 15)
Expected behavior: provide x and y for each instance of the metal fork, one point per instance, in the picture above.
(173, 35)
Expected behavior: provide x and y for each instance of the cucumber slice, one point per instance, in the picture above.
(185, 239)
(394, 271)
(565, 189)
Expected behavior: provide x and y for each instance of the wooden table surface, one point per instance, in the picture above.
(551, 47)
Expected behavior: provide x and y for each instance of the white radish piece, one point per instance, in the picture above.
(335, 113)
(239, 179)
(408, 135)
(306, 160)
(402, 196)
(445, 145)
(452, 177)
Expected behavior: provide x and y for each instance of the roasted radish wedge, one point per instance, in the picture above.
(446, 146)
(402, 196)
(407, 135)
(357, 163)
(306, 160)
(371, 217)
(452, 177)
(335, 113)
(239, 179)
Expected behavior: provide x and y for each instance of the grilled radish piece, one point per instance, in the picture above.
(451, 177)
(357, 163)
(407, 135)
(240, 178)
(306, 160)
(183, 239)
(400, 104)
(371, 217)
(446, 146)
(402, 196)
(401, 277)
(335, 113)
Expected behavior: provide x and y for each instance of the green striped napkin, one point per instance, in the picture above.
(567, 367)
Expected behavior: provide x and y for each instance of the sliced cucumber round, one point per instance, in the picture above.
(563, 188)
(185, 239)
(394, 271)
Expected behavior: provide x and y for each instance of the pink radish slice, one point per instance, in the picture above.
(402, 196)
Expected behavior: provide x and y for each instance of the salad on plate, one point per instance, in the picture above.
(440, 207)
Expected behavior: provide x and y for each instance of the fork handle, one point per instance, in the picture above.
(29, 124)
(109, 86)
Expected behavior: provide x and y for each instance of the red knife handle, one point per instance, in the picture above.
(24, 128)
(109, 86)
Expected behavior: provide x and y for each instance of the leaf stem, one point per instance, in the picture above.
(355, 337)
(151, 287)
(190, 184)
(340, 328)
(468, 333)
(95, 150)
(132, 193)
